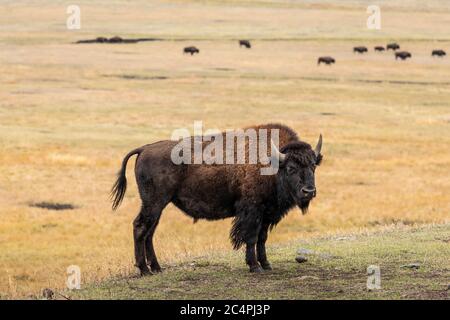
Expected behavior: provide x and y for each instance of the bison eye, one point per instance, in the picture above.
(291, 170)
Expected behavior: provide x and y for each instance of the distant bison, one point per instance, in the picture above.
(191, 50)
(115, 39)
(439, 53)
(326, 60)
(360, 49)
(379, 48)
(393, 46)
(101, 39)
(245, 43)
(257, 202)
(402, 55)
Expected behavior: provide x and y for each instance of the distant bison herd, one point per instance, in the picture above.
(192, 50)
(403, 55)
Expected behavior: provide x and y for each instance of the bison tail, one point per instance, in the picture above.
(120, 186)
(236, 235)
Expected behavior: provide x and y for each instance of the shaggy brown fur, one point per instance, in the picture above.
(394, 46)
(402, 55)
(217, 191)
(245, 43)
(360, 49)
(191, 50)
(438, 52)
(326, 60)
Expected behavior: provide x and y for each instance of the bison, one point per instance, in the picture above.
(101, 39)
(394, 46)
(438, 52)
(326, 60)
(217, 191)
(191, 50)
(402, 55)
(245, 43)
(379, 48)
(360, 49)
(115, 39)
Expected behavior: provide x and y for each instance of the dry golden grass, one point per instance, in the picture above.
(69, 113)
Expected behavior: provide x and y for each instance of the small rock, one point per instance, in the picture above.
(308, 277)
(411, 266)
(345, 238)
(301, 259)
(448, 288)
(48, 293)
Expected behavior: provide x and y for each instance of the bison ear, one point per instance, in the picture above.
(318, 149)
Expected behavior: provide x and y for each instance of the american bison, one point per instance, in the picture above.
(245, 43)
(394, 46)
(115, 39)
(101, 39)
(191, 50)
(379, 48)
(360, 49)
(402, 55)
(439, 53)
(326, 60)
(257, 202)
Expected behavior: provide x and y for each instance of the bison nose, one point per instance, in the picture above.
(309, 191)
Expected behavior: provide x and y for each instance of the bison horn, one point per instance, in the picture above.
(319, 146)
(275, 153)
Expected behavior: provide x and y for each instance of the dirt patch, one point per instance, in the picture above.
(327, 114)
(223, 69)
(53, 206)
(137, 77)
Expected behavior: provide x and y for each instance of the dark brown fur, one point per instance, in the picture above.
(245, 43)
(402, 55)
(438, 52)
(257, 202)
(360, 49)
(326, 60)
(191, 50)
(394, 46)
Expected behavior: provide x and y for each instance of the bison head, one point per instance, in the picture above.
(297, 163)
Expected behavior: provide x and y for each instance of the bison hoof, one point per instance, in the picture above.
(266, 266)
(156, 269)
(256, 269)
(144, 271)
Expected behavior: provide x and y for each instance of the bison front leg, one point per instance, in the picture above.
(246, 228)
(250, 257)
(261, 247)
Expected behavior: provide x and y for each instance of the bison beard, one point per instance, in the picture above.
(256, 202)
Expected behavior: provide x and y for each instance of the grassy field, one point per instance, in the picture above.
(336, 269)
(69, 113)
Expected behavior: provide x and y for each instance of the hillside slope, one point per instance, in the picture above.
(414, 264)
